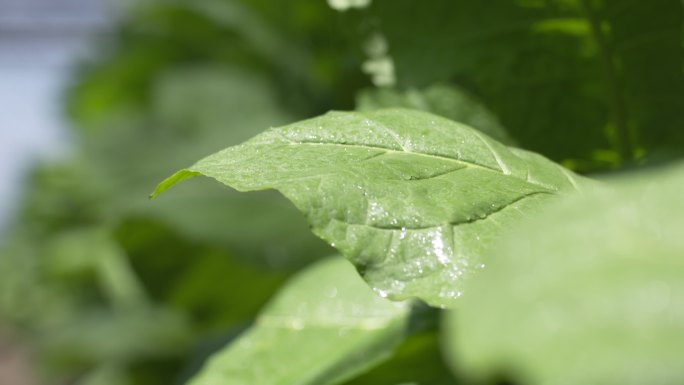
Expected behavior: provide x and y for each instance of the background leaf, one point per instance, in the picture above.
(324, 326)
(450, 102)
(590, 292)
(592, 82)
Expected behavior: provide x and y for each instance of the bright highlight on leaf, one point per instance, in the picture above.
(324, 326)
(412, 199)
(596, 298)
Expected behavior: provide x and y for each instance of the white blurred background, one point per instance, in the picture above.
(39, 40)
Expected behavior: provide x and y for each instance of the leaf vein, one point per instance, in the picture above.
(393, 150)
(497, 157)
(452, 223)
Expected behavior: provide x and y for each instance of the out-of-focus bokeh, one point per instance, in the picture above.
(101, 100)
(39, 41)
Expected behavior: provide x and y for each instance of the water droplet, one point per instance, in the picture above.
(397, 286)
(438, 247)
(450, 293)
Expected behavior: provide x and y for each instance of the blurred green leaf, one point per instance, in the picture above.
(107, 374)
(29, 300)
(567, 78)
(153, 38)
(412, 199)
(105, 336)
(314, 69)
(448, 101)
(588, 293)
(324, 326)
(197, 278)
(92, 251)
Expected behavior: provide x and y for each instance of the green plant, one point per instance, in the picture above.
(497, 264)
(416, 203)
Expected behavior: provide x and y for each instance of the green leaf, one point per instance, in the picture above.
(444, 100)
(567, 78)
(412, 199)
(589, 293)
(92, 250)
(324, 326)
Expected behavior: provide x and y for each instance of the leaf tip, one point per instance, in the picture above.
(172, 180)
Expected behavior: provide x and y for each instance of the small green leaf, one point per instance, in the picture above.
(589, 293)
(325, 326)
(412, 199)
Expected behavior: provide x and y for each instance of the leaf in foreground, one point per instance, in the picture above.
(325, 326)
(590, 293)
(412, 199)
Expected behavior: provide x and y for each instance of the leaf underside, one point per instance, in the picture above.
(411, 199)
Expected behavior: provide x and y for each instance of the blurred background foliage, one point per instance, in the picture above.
(109, 288)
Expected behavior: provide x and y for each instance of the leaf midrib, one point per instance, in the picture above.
(434, 156)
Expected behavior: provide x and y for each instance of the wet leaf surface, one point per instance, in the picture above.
(412, 199)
